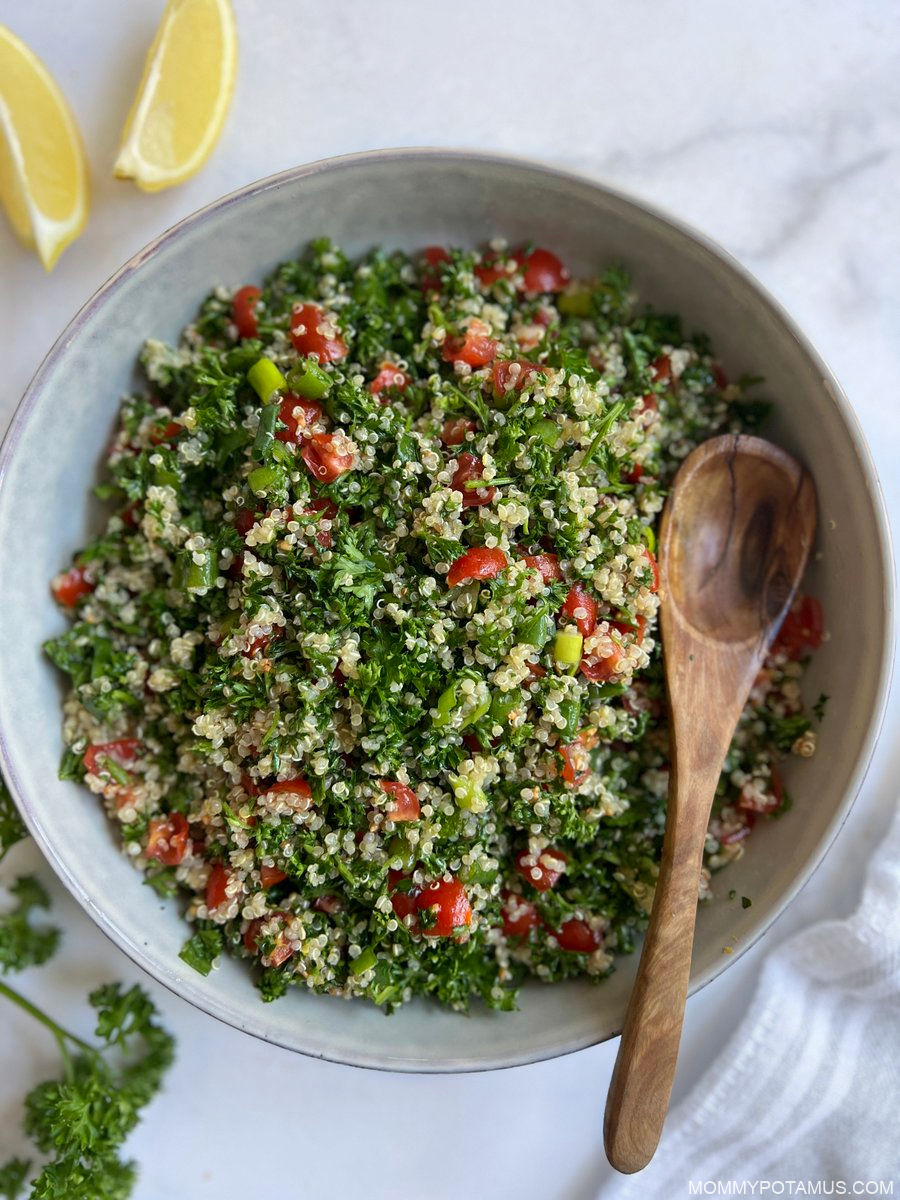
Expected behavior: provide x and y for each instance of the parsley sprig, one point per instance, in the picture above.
(80, 1120)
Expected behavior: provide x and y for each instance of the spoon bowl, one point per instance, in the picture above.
(734, 541)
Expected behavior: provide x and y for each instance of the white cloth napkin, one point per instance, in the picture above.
(808, 1088)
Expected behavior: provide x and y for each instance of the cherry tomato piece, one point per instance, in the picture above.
(455, 430)
(389, 378)
(297, 414)
(802, 628)
(447, 903)
(519, 915)
(269, 876)
(70, 587)
(215, 886)
(581, 607)
(327, 457)
(542, 271)
(476, 347)
(167, 839)
(431, 276)
(469, 467)
(481, 562)
(405, 805)
(578, 937)
(543, 870)
(124, 751)
(546, 564)
(315, 335)
(243, 310)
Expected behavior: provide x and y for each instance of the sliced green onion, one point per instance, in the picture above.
(265, 379)
(567, 649)
(472, 485)
(190, 574)
(264, 478)
(445, 706)
(364, 961)
(649, 538)
(469, 795)
(548, 431)
(576, 302)
(115, 770)
(308, 379)
(265, 433)
(399, 850)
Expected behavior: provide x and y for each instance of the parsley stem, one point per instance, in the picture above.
(61, 1035)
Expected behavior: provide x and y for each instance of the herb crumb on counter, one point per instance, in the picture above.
(365, 665)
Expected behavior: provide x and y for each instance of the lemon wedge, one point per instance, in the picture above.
(183, 98)
(43, 172)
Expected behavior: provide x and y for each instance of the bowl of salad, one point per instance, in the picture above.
(336, 671)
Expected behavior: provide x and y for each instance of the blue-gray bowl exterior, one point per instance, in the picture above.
(410, 198)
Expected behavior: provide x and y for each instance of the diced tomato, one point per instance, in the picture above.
(405, 806)
(243, 310)
(244, 520)
(455, 430)
(654, 567)
(258, 646)
(448, 904)
(542, 271)
(297, 414)
(581, 607)
(129, 515)
(578, 937)
(476, 347)
(719, 376)
(536, 671)
(251, 787)
(648, 403)
(328, 509)
(403, 904)
(327, 457)
(506, 377)
(470, 467)
(298, 789)
(638, 628)
(164, 433)
(519, 915)
(661, 368)
(549, 866)
(490, 269)
(598, 669)
(481, 562)
(167, 838)
(433, 256)
(316, 335)
(634, 473)
(772, 800)
(802, 628)
(124, 752)
(472, 743)
(546, 564)
(328, 904)
(389, 378)
(269, 876)
(282, 949)
(70, 587)
(215, 886)
(573, 756)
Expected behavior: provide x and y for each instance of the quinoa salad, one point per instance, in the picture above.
(364, 667)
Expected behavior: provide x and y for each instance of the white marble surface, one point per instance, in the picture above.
(772, 126)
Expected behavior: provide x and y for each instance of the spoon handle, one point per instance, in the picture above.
(645, 1065)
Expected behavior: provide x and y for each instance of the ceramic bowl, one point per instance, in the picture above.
(408, 199)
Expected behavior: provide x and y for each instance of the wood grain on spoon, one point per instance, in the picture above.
(734, 540)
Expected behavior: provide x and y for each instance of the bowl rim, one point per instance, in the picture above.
(181, 985)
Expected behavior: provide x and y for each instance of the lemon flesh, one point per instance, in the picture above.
(183, 98)
(43, 172)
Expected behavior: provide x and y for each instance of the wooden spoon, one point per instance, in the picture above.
(734, 540)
